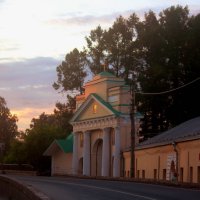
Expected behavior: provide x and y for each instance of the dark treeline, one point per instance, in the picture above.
(27, 147)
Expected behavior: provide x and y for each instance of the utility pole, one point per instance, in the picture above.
(132, 117)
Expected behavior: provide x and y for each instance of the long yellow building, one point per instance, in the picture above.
(172, 155)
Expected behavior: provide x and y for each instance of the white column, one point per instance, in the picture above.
(105, 152)
(75, 154)
(116, 165)
(86, 153)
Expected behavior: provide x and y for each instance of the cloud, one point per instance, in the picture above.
(5, 88)
(27, 113)
(79, 19)
(27, 87)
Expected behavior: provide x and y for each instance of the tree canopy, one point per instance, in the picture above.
(42, 132)
(71, 72)
(8, 126)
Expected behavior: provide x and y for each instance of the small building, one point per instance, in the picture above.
(61, 156)
(172, 155)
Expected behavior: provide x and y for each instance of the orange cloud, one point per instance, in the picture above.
(25, 115)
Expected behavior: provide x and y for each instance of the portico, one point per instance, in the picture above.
(94, 131)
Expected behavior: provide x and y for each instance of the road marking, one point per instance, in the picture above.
(111, 190)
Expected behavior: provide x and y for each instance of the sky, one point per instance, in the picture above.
(35, 36)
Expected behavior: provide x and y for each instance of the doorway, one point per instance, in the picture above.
(97, 158)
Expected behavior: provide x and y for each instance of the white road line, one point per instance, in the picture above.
(111, 190)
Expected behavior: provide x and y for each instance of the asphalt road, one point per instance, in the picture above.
(86, 189)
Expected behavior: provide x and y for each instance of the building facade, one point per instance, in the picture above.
(101, 127)
(173, 155)
(61, 152)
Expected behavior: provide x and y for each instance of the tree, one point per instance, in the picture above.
(71, 72)
(167, 44)
(8, 126)
(63, 113)
(96, 52)
(120, 46)
(42, 132)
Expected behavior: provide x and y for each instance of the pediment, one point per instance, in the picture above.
(93, 107)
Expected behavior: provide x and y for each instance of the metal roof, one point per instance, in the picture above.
(106, 74)
(66, 145)
(188, 130)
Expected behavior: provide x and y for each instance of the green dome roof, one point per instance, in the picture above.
(106, 74)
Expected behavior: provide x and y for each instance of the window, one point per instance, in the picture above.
(143, 174)
(198, 174)
(81, 139)
(95, 108)
(191, 174)
(155, 174)
(181, 174)
(164, 174)
(138, 173)
(113, 98)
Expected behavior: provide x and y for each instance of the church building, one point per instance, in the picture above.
(101, 131)
(101, 127)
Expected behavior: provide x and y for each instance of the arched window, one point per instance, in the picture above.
(95, 108)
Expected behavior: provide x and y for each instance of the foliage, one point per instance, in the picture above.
(16, 153)
(96, 50)
(8, 126)
(39, 136)
(167, 52)
(71, 72)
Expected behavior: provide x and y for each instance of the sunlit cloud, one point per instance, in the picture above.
(28, 87)
(5, 89)
(27, 113)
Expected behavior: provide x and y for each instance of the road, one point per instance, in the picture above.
(87, 189)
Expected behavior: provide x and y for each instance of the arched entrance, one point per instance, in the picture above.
(96, 160)
(80, 166)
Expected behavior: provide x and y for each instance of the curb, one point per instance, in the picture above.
(14, 189)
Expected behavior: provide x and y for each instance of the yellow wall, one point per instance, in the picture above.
(123, 101)
(89, 113)
(153, 161)
(100, 85)
(62, 162)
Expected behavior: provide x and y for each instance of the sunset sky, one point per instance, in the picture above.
(35, 35)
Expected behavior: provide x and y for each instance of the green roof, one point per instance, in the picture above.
(107, 74)
(110, 107)
(66, 144)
